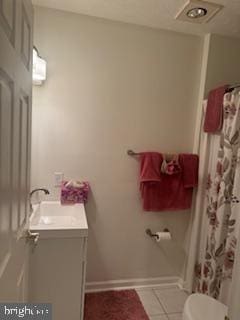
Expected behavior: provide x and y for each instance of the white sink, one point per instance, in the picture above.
(59, 258)
(51, 219)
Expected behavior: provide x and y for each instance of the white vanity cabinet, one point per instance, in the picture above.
(58, 261)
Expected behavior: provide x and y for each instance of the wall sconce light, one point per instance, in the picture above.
(39, 68)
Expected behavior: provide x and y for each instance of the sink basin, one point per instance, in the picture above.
(51, 219)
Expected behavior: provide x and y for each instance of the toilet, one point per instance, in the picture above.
(202, 307)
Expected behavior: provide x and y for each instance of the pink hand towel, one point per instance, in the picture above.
(161, 191)
(150, 166)
(149, 171)
(214, 113)
(190, 164)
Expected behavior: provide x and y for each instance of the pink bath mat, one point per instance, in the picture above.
(114, 305)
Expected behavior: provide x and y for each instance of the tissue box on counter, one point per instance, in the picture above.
(74, 192)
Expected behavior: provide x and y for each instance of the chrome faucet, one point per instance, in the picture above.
(46, 191)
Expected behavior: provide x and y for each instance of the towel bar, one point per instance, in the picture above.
(132, 153)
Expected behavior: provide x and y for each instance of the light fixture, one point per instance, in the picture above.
(39, 68)
(197, 13)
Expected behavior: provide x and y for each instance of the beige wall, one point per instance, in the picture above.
(223, 62)
(111, 87)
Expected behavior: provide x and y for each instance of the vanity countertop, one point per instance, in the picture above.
(51, 219)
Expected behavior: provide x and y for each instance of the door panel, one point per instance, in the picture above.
(16, 169)
(7, 18)
(26, 48)
(16, 19)
(24, 165)
(6, 107)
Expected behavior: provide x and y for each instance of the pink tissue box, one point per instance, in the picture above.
(71, 194)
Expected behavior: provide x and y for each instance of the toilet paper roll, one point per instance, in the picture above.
(163, 236)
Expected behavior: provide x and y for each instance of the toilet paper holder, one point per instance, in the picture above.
(154, 235)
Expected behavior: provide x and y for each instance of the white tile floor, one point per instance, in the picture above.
(163, 303)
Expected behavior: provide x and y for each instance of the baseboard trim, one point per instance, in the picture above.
(183, 285)
(132, 284)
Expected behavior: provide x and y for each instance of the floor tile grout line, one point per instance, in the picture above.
(160, 302)
(172, 313)
(153, 315)
(167, 313)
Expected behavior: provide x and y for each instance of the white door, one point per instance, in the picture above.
(16, 20)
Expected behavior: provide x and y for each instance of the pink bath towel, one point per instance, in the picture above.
(161, 191)
(214, 113)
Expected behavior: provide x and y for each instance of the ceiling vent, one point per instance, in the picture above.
(197, 11)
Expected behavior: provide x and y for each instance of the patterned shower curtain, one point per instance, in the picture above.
(221, 209)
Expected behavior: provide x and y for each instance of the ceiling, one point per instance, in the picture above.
(153, 13)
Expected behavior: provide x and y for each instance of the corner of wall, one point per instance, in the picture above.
(192, 230)
(202, 89)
